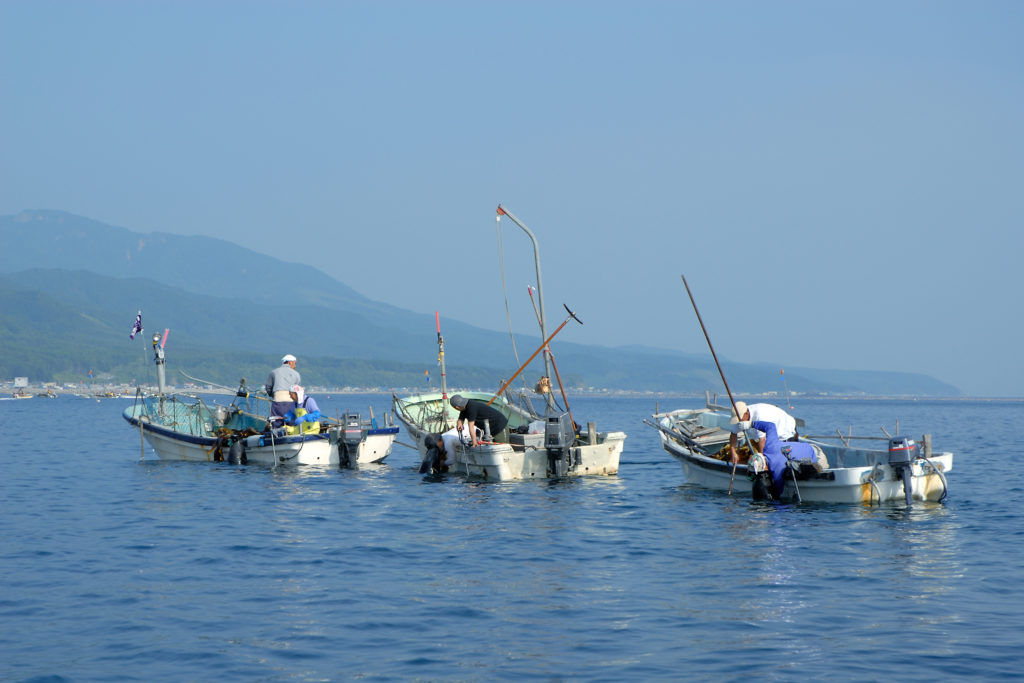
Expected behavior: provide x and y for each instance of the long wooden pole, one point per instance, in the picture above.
(561, 388)
(572, 316)
(554, 365)
(721, 374)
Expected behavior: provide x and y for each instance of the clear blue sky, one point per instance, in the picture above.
(842, 183)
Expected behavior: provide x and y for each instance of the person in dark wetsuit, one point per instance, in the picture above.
(474, 412)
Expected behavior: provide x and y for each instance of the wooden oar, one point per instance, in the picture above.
(554, 366)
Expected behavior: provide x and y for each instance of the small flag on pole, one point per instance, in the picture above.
(427, 373)
(137, 327)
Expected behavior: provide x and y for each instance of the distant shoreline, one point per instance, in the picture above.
(129, 392)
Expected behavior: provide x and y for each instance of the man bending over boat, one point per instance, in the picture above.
(440, 453)
(474, 412)
(278, 386)
(785, 424)
(779, 453)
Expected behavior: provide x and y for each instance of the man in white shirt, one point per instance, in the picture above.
(785, 424)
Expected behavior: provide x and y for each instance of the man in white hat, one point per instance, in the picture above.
(278, 386)
(744, 416)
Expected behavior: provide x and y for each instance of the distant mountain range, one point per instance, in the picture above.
(70, 288)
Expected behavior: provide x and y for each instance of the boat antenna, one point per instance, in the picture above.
(160, 360)
(789, 401)
(540, 291)
(444, 378)
(720, 373)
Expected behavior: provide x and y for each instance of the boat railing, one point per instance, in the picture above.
(844, 438)
(435, 415)
(431, 416)
(169, 411)
(844, 454)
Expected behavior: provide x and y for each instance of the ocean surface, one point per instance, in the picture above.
(115, 566)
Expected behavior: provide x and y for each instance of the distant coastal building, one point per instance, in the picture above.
(20, 382)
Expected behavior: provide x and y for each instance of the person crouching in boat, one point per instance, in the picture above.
(304, 417)
(474, 413)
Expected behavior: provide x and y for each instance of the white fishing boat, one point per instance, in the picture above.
(543, 442)
(537, 448)
(905, 470)
(180, 427)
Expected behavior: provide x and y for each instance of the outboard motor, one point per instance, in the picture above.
(902, 453)
(350, 438)
(559, 435)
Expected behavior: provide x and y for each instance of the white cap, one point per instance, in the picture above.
(288, 358)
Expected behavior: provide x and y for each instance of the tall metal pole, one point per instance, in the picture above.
(444, 377)
(540, 288)
(158, 357)
(440, 357)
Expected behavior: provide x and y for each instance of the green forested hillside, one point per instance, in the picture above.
(69, 296)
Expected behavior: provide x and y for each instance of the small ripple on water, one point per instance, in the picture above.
(193, 571)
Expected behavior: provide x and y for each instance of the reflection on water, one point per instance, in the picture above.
(194, 571)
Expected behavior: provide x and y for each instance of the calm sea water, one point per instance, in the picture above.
(120, 568)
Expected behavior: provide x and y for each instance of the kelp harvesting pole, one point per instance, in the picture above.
(561, 387)
(543, 345)
(720, 373)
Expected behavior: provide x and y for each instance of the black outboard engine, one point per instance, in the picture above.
(559, 436)
(350, 438)
(902, 453)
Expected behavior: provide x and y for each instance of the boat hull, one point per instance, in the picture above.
(502, 462)
(524, 458)
(310, 449)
